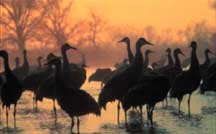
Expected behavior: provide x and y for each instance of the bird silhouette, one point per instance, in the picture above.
(172, 72)
(46, 88)
(100, 75)
(39, 62)
(208, 83)
(150, 90)
(126, 40)
(79, 71)
(22, 71)
(170, 62)
(33, 81)
(74, 102)
(119, 84)
(207, 62)
(75, 76)
(187, 81)
(11, 90)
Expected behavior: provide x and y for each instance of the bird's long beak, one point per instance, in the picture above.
(120, 41)
(211, 52)
(71, 47)
(149, 43)
(182, 54)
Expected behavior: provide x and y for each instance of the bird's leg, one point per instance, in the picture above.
(101, 85)
(166, 102)
(54, 109)
(78, 124)
(33, 101)
(72, 124)
(118, 112)
(7, 116)
(147, 108)
(14, 114)
(36, 103)
(179, 106)
(126, 124)
(189, 113)
(141, 114)
(162, 104)
(152, 109)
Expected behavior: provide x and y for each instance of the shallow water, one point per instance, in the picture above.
(202, 121)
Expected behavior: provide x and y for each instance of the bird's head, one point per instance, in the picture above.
(17, 59)
(208, 51)
(3, 54)
(125, 40)
(142, 41)
(66, 47)
(178, 51)
(51, 56)
(193, 44)
(24, 51)
(168, 50)
(40, 58)
(54, 61)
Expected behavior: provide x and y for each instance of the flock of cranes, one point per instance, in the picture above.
(133, 83)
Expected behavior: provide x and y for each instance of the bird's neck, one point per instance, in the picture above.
(6, 64)
(138, 61)
(170, 60)
(146, 61)
(58, 76)
(65, 58)
(17, 64)
(207, 60)
(194, 60)
(39, 63)
(177, 61)
(25, 60)
(130, 54)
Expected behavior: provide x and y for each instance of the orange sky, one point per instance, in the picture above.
(159, 13)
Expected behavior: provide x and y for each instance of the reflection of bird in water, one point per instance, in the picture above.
(187, 81)
(74, 102)
(119, 84)
(12, 89)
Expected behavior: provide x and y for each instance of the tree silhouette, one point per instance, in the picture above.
(57, 26)
(96, 25)
(20, 20)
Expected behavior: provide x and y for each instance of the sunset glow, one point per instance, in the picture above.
(160, 14)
